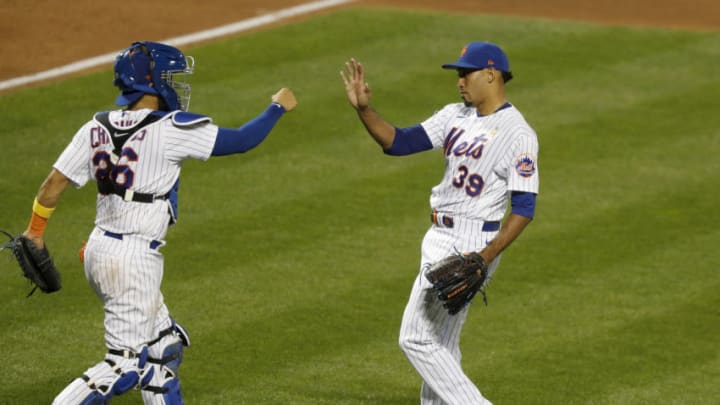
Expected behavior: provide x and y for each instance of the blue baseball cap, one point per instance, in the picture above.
(481, 55)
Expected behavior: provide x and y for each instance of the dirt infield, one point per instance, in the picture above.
(39, 35)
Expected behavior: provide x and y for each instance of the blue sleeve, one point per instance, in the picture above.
(409, 140)
(250, 135)
(523, 203)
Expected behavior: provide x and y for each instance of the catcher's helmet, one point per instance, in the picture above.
(151, 68)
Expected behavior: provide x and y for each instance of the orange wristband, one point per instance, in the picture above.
(37, 225)
(39, 218)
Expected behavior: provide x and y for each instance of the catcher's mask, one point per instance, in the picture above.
(153, 68)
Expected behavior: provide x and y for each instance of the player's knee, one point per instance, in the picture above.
(404, 343)
(168, 349)
(131, 372)
(182, 333)
(411, 346)
(166, 355)
(172, 356)
(113, 376)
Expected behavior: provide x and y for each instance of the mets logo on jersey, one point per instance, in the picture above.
(525, 165)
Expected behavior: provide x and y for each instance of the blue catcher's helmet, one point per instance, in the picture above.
(153, 68)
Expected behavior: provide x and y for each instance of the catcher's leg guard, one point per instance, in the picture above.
(78, 392)
(165, 357)
(120, 372)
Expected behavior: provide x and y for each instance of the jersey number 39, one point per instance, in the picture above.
(472, 183)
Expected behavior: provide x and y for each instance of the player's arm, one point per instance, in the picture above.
(382, 132)
(394, 141)
(523, 211)
(250, 135)
(44, 205)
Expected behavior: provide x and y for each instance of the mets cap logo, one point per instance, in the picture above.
(463, 51)
(525, 165)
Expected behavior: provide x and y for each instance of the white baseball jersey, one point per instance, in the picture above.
(150, 160)
(485, 157)
(122, 261)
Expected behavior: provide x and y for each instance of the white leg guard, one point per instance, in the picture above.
(120, 372)
(165, 358)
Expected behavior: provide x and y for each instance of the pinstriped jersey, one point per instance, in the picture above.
(149, 162)
(486, 157)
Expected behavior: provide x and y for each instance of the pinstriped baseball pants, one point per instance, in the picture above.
(126, 275)
(429, 336)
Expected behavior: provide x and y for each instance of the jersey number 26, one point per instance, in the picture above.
(120, 174)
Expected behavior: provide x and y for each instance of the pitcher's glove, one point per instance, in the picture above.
(457, 278)
(36, 264)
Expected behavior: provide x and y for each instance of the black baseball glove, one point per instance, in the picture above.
(36, 264)
(457, 278)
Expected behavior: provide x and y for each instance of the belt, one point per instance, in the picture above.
(125, 353)
(154, 244)
(447, 221)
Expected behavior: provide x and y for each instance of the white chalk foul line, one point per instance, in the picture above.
(228, 29)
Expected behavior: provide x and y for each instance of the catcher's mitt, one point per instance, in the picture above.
(457, 278)
(36, 264)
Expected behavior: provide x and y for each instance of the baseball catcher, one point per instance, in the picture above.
(35, 263)
(457, 278)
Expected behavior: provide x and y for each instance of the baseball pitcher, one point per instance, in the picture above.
(490, 155)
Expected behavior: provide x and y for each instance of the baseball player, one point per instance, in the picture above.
(134, 155)
(490, 158)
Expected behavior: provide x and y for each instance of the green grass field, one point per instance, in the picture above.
(291, 264)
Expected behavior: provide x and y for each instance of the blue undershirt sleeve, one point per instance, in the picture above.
(250, 135)
(409, 140)
(523, 203)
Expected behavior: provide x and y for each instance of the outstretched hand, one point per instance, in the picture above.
(357, 90)
(285, 98)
